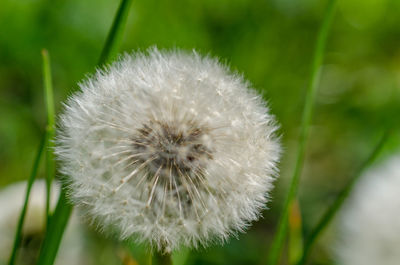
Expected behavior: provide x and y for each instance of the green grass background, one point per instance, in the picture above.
(269, 41)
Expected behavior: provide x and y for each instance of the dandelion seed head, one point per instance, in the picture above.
(168, 148)
(370, 221)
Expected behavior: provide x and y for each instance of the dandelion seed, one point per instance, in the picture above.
(370, 223)
(168, 148)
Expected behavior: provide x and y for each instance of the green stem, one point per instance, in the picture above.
(63, 210)
(50, 162)
(162, 259)
(32, 177)
(115, 35)
(333, 210)
(278, 241)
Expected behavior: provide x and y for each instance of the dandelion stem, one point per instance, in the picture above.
(32, 177)
(115, 35)
(50, 163)
(333, 210)
(280, 235)
(162, 259)
(63, 210)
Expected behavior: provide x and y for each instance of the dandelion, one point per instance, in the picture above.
(370, 224)
(169, 149)
(11, 203)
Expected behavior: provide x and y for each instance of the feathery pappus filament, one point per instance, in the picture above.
(168, 148)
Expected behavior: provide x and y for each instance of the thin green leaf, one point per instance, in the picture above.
(55, 230)
(63, 210)
(278, 241)
(32, 177)
(115, 35)
(337, 204)
(50, 162)
(48, 86)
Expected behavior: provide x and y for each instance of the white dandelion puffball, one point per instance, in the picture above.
(168, 148)
(370, 223)
(11, 203)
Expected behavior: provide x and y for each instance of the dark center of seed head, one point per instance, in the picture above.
(171, 149)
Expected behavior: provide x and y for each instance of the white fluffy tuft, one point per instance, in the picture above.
(168, 148)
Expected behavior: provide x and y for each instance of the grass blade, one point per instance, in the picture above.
(333, 210)
(115, 35)
(278, 241)
(63, 210)
(32, 177)
(55, 230)
(50, 127)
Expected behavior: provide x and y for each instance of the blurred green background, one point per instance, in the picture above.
(270, 41)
